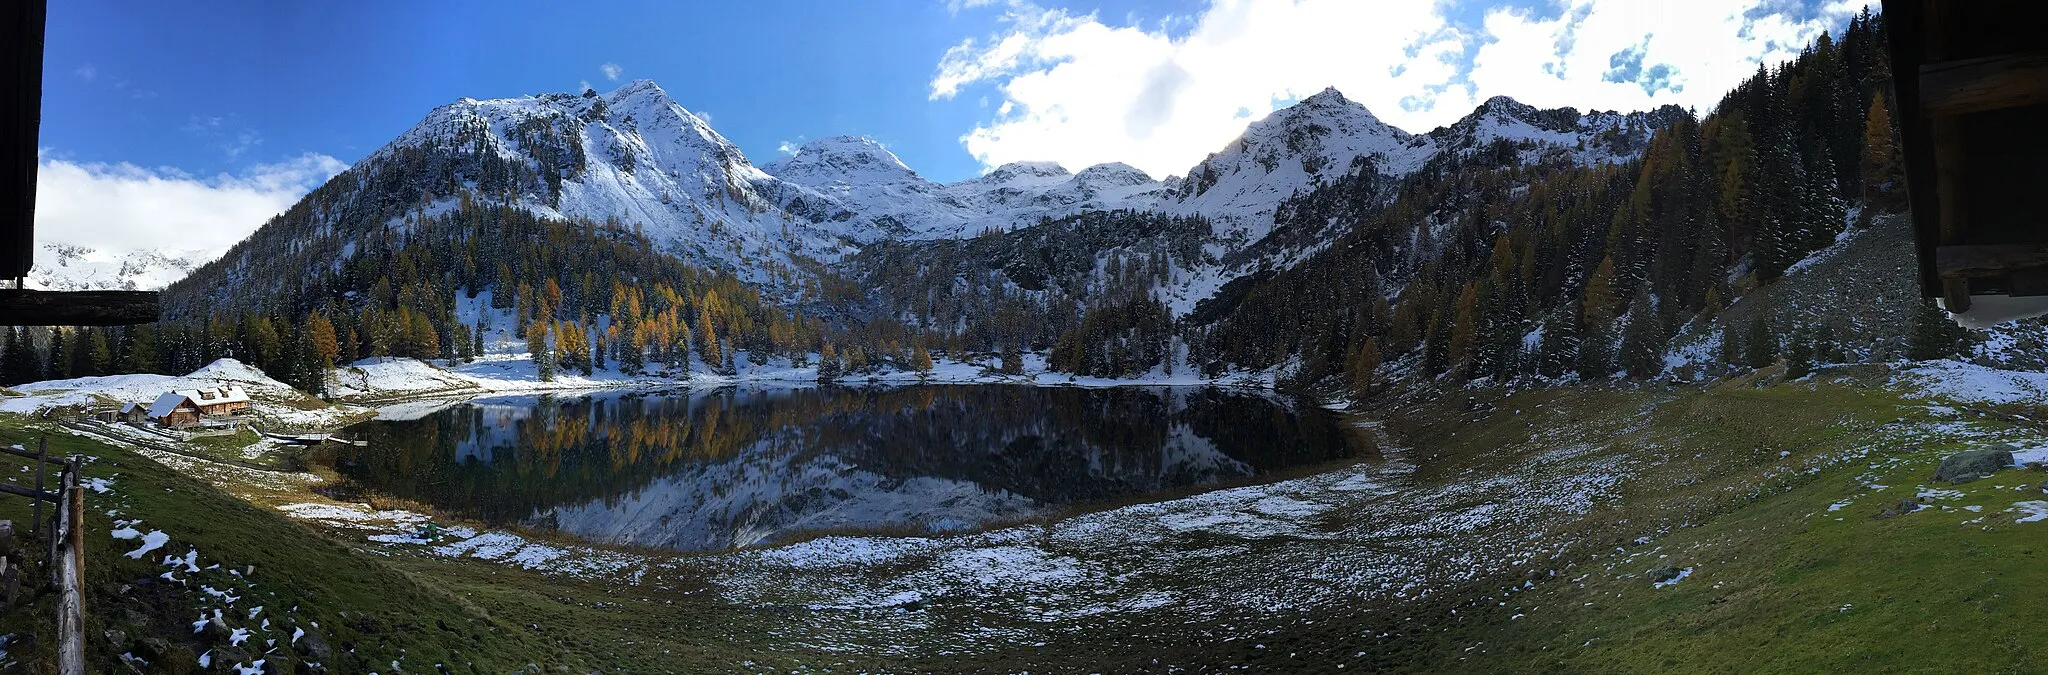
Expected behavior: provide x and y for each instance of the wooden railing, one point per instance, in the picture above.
(65, 536)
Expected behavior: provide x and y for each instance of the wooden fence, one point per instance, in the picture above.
(65, 536)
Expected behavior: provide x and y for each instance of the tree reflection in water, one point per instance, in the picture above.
(715, 469)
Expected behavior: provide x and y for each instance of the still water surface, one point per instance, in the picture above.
(709, 470)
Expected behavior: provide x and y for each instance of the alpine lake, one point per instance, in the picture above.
(717, 469)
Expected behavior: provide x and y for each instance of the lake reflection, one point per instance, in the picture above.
(717, 469)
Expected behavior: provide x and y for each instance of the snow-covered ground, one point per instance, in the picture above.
(273, 400)
(1972, 383)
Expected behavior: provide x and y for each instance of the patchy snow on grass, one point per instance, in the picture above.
(150, 542)
(1682, 574)
(2030, 511)
(1968, 382)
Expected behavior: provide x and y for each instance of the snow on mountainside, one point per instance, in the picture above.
(1586, 139)
(864, 178)
(638, 157)
(67, 267)
(1290, 151)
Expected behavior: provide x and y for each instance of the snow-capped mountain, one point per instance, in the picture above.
(638, 158)
(635, 156)
(864, 178)
(1557, 132)
(1289, 151)
(68, 267)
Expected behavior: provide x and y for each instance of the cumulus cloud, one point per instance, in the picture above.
(118, 208)
(1078, 90)
(612, 71)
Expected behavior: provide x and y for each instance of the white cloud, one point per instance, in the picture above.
(1079, 91)
(117, 208)
(86, 71)
(787, 148)
(612, 71)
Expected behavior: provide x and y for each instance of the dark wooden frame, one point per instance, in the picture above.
(22, 25)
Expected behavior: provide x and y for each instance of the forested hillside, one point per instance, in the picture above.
(1485, 266)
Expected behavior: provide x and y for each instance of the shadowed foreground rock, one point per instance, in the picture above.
(1970, 465)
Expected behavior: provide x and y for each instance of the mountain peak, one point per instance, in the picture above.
(1329, 96)
(1027, 169)
(845, 158)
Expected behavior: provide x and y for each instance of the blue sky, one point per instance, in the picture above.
(217, 87)
(183, 126)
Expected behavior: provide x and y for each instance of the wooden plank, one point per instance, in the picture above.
(1965, 86)
(1948, 180)
(1988, 260)
(20, 307)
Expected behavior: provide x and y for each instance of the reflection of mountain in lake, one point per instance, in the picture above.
(726, 468)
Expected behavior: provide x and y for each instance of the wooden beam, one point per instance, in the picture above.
(30, 493)
(1965, 86)
(21, 76)
(1989, 260)
(20, 307)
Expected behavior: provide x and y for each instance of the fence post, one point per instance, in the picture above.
(71, 598)
(42, 447)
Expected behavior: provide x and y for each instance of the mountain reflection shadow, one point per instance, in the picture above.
(708, 470)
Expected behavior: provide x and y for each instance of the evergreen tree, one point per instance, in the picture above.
(538, 349)
(59, 356)
(828, 363)
(1799, 357)
(1935, 335)
(18, 359)
(1760, 347)
(1013, 359)
(1879, 173)
(1362, 371)
(921, 360)
(1643, 341)
(325, 348)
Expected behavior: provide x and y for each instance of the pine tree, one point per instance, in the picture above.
(1935, 335)
(1760, 347)
(1799, 357)
(921, 360)
(1642, 342)
(320, 331)
(98, 355)
(1362, 370)
(828, 363)
(707, 340)
(1013, 359)
(538, 349)
(1879, 172)
(18, 359)
(59, 357)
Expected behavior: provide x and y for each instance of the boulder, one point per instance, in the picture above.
(314, 647)
(1662, 574)
(216, 631)
(1970, 465)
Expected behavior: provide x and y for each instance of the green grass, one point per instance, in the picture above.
(1779, 582)
(360, 602)
(1713, 485)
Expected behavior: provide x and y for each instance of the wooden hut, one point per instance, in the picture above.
(1971, 84)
